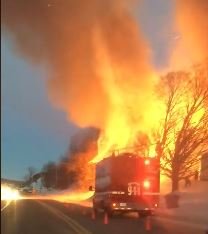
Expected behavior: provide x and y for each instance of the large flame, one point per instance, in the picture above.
(133, 106)
(99, 64)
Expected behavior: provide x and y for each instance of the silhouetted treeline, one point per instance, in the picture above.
(74, 168)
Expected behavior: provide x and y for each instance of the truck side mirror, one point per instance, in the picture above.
(91, 188)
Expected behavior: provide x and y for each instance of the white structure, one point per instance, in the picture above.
(204, 167)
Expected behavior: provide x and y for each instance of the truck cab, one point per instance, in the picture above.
(127, 183)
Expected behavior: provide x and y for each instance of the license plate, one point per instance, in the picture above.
(122, 204)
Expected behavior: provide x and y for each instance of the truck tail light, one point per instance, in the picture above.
(146, 162)
(146, 184)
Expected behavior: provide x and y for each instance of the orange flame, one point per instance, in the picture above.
(134, 107)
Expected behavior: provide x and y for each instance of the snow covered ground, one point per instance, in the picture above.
(193, 204)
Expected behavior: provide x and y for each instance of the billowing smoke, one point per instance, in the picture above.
(97, 60)
(79, 142)
(192, 23)
(61, 34)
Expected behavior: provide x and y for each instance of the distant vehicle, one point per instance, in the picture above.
(127, 183)
(27, 190)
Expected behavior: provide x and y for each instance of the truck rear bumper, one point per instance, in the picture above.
(133, 207)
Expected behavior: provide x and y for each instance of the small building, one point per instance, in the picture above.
(204, 167)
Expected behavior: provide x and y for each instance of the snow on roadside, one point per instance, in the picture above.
(193, 204)
(65, 196)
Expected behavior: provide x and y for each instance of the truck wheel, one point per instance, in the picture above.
(109, 212)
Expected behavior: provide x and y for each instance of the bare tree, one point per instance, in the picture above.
(29, 175)
(142, 144)
(49, 175)
(184, 133)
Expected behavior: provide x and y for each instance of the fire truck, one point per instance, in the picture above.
(127, 183)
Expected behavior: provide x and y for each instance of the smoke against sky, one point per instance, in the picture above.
(191, 20)
(99, 63)
(60, 34)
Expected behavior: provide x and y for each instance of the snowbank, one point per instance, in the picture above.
(193, 204)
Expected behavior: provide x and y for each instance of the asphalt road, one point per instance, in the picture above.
(50, 217)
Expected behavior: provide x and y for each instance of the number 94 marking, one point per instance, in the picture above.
(133, 188)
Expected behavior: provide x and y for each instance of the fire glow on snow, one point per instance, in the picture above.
(73, 197)
(65, 196)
